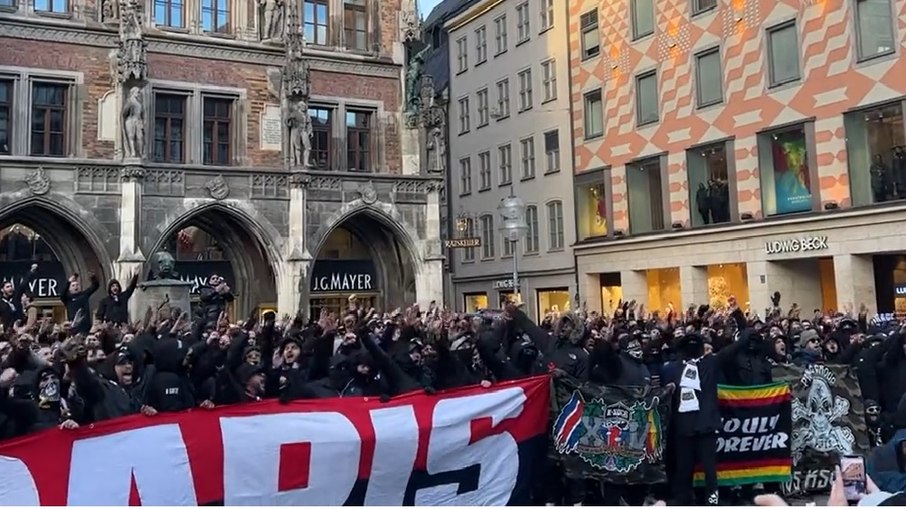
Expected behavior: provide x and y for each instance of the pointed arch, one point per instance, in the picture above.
(72, 233)
(250, 243)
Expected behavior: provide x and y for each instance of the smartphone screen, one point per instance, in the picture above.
(853, 468)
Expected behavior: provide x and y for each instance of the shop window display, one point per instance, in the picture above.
(725, 280)
(646, 197)
(709, 184)
(611, 292)
(554, 301)
(786, 185)
(591, 207)
(664, 289)
(475, 302)
(828, 284)
(876, 148)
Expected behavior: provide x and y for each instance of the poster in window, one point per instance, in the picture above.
(792, 186)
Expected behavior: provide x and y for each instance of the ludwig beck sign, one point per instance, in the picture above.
(796, 245)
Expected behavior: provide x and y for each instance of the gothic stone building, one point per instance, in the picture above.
(213, 186)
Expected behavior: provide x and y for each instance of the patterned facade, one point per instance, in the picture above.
(835, 76)
(216, 136)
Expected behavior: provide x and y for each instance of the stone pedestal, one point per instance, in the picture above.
(154, 293)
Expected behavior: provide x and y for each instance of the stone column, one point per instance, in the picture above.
(590, 291)
(798, 281)
(694, 285)
(429, 277)
(292, 291)
(635, 286)
(131, 259)
(854, 277)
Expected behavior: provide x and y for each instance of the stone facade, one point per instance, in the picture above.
(108, 215)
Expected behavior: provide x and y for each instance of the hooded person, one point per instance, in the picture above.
(11, 310)
(349, 376)
(747, 360)
(619, 362)
(251, 379)
(885, 463)
(119, 391)
(51, 408)
(696, 418)
(569, 354)
(171, 388)
(114, 308)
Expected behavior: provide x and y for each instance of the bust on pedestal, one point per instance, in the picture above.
(163, 287)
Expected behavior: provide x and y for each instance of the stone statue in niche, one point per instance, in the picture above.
(134, 125)
(109, 10)
(299, 123)
(271, 19)
(438, 146)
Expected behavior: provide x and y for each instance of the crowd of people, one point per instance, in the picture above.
(105, 364)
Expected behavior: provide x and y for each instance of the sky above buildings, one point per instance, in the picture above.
(425, 6)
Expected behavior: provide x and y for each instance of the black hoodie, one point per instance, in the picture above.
(11, 308)
(171, 389)
(80, 301)
(115, 308)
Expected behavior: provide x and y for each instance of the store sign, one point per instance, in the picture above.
(461, 243)
(797, 245)
(347, 276)
(899, 290)
(198, 273)
(504, 284)
(48, 283)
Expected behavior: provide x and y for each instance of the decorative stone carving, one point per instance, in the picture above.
(437, 146)
(410, 22)
(326, 183)
(274, 81)
(300, 180)
(38, 182)
(109, 10)
(271, 15)
(132, 61)
(132, 174)
(296, 89)
(97, 180)
(133, 116)
(367, 192)
(217, 187)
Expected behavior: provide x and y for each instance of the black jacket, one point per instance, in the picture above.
(115, 308)
(214, 302)
(707, 419)
(747, 360)
(80, 301)
(11, 309)
(106, 399)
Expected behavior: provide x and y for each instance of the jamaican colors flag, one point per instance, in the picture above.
(611, 433)
(754, 441)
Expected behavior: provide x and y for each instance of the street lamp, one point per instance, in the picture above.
(512, 210)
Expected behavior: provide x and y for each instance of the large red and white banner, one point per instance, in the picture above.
(470, 446)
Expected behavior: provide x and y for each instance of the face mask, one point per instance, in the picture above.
(634, 350)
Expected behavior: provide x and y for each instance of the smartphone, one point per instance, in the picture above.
(853, 468)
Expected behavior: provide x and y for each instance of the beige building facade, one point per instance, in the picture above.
(737, 148)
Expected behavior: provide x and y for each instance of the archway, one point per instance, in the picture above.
(362, 256)
(60, 246)
(212, 241)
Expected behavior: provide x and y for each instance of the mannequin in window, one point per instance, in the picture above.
(881, 181)
(703, 203)
(899, 170)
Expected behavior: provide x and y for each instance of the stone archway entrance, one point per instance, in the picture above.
(362, 257)
(60, 247)
(214, 241)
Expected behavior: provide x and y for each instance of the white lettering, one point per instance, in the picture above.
(752, 443)
(452, 448)
(162, 478)
(396, 445)
(805, 244)
(17, 484)
(342, 282)
(252, 448)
